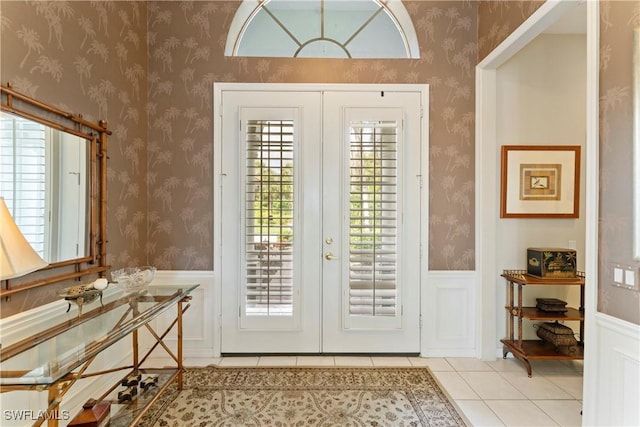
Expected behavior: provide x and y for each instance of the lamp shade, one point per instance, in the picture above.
(17, 257)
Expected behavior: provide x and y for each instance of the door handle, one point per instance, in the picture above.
(330, 256)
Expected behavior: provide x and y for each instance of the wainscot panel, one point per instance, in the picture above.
(615, 385)
(18, 407)
(448, 304)
(200, 321)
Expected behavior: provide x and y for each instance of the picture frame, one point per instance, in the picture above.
(540, 181)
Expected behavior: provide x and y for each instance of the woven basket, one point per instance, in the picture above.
(559, 335)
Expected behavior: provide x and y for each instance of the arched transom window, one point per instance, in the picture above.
(322, 29)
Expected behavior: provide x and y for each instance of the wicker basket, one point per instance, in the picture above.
(558, 335)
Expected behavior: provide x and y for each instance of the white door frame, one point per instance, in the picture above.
(487, 170)
(219, 88)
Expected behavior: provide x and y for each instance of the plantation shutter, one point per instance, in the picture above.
(373, 218)
(23, 176)
(269, 218)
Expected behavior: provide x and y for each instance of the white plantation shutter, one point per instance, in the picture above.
(23, 176)
(373, 218)
(268, 223)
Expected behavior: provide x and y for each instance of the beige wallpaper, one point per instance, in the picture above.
(93, 58)
(499, 18)
(88, 58)
(617, 21)
(186, 55)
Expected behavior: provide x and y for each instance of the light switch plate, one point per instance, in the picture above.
(626, 276)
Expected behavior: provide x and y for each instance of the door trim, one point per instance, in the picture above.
(220, 87)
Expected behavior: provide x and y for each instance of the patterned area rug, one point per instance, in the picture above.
(216, 396)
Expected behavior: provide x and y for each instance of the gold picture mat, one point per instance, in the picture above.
(540, 181)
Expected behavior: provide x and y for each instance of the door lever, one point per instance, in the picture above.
(330, 256)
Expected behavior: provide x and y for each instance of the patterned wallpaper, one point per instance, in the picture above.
(93, 58)
(153, 63)
(617, 21)
(186, 55)
(497, 19)
(88, 58)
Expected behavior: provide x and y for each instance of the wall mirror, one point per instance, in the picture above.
(53, 180)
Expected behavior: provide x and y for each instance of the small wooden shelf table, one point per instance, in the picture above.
(526, 350)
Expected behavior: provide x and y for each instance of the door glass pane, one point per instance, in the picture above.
(373, 218)
(268, 228)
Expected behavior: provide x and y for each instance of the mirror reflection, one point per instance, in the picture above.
(44, 180)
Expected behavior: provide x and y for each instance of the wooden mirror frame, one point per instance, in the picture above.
(96, 134)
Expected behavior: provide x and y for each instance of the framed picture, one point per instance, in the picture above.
(540, 181)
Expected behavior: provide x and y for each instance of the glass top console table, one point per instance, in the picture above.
(53, 355)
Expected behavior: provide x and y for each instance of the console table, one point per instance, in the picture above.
(54, 357)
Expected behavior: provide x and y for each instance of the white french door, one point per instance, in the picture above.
(371, 222)
(320, 211)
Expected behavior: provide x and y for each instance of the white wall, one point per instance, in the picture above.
(541, 100)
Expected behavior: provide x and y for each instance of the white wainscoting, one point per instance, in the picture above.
(200, 342)
(16, 405)
(448, 314)
(612, 374)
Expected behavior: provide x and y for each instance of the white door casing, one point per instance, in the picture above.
(308, 259)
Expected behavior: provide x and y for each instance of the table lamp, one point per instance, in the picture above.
(17, 257)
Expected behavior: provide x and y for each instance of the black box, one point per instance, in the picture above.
(551, 263)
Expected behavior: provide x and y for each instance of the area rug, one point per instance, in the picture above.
(329, 396)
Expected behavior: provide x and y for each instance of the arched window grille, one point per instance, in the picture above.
(322, 29)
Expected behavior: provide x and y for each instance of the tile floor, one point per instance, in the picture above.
(495, 393)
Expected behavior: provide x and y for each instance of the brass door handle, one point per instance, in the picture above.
(330, 256)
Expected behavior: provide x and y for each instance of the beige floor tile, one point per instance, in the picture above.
(468, 364)
(456, 387)
(433, 363)
(565, 412)
(239, 361)
(491, 385)
(553, 367)
(315, 361)
(277, 361)
(478, 413)
(521, 413)
(536, 387)
(353, 361)
(506, 365)
(570, 384)
(390, 361)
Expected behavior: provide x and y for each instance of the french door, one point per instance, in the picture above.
(320, 209)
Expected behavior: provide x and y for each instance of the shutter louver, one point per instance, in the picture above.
(23, 176)
(269, 218)
(373, 219)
